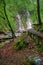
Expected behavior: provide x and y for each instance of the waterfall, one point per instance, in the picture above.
(20, 26)
(28, 22)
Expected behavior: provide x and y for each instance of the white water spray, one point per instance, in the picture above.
(20, 26)
(28, 22)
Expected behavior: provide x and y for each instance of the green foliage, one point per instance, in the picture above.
(15, 6)
(21, 44)
(39, 43)
(39, 47)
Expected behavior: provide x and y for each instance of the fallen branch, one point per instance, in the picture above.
(4, 39)
(39, 34)
(32, 31)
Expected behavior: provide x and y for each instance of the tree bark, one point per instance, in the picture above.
(38, 11)
(7, 18)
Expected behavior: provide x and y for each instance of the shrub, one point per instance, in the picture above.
(21, 44)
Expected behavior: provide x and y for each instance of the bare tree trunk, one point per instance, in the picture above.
(38, 11)
(7, 18)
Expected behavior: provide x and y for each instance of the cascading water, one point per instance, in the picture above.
(28, 22)
(20, 25)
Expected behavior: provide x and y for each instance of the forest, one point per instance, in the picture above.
(21, 32)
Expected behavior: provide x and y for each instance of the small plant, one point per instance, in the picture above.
(21, 44)
(39, 47)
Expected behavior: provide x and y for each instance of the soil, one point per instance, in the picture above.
(12, 56)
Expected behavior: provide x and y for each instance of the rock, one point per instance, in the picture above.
(17, 34)
(35, 60)
(8, 34)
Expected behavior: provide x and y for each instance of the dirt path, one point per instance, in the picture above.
(11, 56)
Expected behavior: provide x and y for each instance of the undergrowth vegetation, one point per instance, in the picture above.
(21, 44)
(36, 39)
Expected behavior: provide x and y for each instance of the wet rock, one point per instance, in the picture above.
(32, 60)
(37, 60)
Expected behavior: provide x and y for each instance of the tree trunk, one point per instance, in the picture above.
(7, 18)
(38, 11)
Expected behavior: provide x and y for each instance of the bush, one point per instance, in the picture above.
(39, 47)
(21, 44)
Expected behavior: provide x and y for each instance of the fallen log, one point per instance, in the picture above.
(32, 31)
(39, 34)
(7, 38)
(4, 39)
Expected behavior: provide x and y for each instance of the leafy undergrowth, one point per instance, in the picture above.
(21, 44)
(39, 47)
